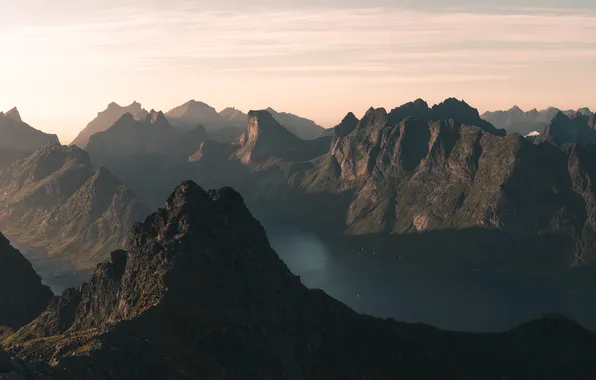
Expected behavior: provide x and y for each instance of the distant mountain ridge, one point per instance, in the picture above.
(58, 200)
(18, 139)
(105, 119)
(145, 153)
(515, 120)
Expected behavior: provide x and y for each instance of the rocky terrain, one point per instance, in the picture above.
(19, 139)
(425, 179)
(106, 118)
(58, 200)
(515, 120)
(199, 293)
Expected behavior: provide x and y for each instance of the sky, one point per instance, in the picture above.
(65, 60)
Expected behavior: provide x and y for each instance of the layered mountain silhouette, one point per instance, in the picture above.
(19, 139)
(200, 293)
(105, 119)
(424, 179)
(58, 200)
(228, 124)
(515, 120)
(575, 128)
(304, 128)
(144, 154)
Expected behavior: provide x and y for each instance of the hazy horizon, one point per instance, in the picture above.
(67, 60)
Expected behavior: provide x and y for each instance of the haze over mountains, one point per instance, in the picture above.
(424, 186)
(19, 139)
(58, 200)
(515, 120)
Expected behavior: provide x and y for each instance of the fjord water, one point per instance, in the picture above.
(384, 286)
(57, 274)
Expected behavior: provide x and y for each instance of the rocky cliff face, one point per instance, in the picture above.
(201, 294)
(19, 139)
(22, 296)
(56, 199)
(105, 119)
(421, 178)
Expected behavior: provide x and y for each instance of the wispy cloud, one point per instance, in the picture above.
(129, 35)
(297, 48)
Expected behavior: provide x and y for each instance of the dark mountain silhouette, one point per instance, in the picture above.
(200, 293)
(106, 119)
(22, 296)
(56, 199)
(577, 128)
(516, 120)
(19, 139)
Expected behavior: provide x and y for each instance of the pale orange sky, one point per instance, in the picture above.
(63, 62)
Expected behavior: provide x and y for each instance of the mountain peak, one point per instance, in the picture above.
(13, 114)
(113, 105)
(156, 118)
(373, 116)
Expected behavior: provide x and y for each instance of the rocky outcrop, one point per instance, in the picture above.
(22, 296)
(19, 139)
(14, 369)
(201, 294)
(56, 199)
(106, 119)
(264, 139)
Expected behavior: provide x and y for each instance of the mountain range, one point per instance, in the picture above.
(57, 199)
(199, 293)
(19, 139)
(515, 120)
(105, 119)
(422, 179)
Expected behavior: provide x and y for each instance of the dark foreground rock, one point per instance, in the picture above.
(200, 294)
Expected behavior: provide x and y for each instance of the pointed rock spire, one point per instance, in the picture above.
(14, 115)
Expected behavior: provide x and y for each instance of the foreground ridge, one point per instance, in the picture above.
(200, 293)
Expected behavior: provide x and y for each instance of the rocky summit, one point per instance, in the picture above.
(58, 200)
(200, 293)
